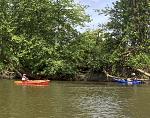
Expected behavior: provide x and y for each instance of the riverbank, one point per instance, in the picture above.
(7, 75)
(86, 76)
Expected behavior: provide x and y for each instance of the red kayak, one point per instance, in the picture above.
(33, 82)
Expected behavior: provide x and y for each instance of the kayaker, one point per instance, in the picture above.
(24, 78)
(133, 76)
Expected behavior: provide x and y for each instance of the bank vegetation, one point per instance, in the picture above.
(40, 38)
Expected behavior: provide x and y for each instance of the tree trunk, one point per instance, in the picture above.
(111, 77)
(143, 72)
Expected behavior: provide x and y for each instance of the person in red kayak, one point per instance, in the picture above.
(24, 78)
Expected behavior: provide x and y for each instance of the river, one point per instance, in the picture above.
(74, 100)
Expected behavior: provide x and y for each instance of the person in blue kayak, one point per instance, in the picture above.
(24, 78)
(133, 76)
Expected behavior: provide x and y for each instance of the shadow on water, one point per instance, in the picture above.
(74, 100)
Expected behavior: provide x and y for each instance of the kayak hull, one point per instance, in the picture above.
(122, 81)
(33, 82)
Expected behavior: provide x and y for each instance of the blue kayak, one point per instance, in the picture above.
(123, 81)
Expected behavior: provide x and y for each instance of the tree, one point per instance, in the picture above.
(128, 38)
(86, 53)
(6, 43)
(34, 33)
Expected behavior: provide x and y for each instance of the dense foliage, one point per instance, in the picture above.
(129, 37)
(35, 34)
(39, 37)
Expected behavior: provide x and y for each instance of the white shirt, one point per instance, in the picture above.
(24, 78)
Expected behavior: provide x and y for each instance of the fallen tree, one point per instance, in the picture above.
(143, 72)
(111, 77)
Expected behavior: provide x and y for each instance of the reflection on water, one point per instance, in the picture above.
(74, 100)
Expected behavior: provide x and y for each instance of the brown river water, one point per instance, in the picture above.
(74, 100)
